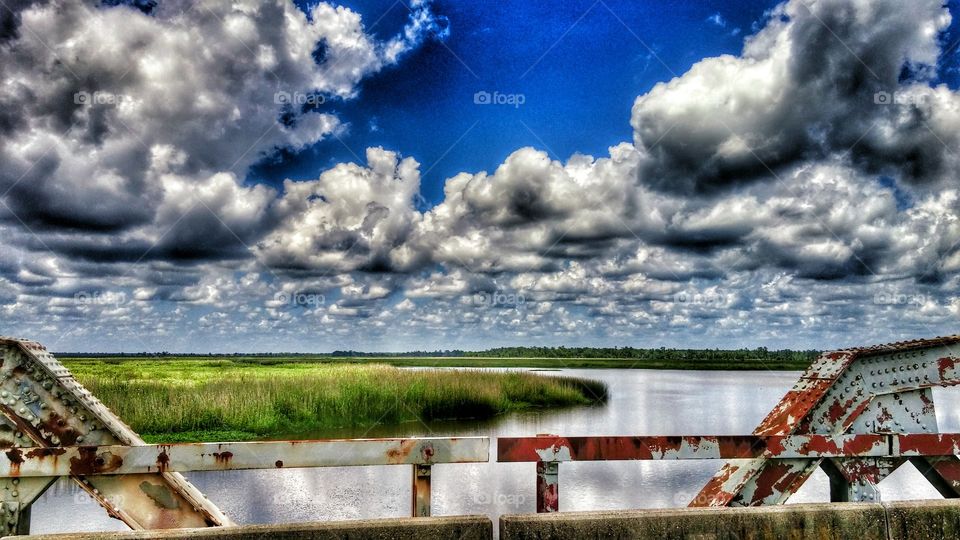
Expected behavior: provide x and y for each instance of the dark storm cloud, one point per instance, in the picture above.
(822, 78)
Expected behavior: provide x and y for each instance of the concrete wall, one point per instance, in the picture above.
(920, 520)
(462, 527)
(913, 520)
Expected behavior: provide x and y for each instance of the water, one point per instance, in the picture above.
(642, 402)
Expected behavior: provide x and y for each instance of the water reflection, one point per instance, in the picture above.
(641, 402)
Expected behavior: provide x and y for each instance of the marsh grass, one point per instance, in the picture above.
(205, 400)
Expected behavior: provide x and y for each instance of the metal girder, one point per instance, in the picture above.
(188, 457)
(781, 447)
(45, 407)
(882, 389)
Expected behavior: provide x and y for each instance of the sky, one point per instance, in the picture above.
(270, 176)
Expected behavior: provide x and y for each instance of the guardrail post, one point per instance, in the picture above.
(548, 486)
(421, 490)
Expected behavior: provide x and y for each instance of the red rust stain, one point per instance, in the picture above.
(15, 455)
(775, 446)
(223, 458)
(163, 460)
(399, 455)
(775, 477)
(947, 467)
(713, 494)
(835, 411)
(427, 453)
(852, 417)
(548, 499)
(860, 470)
(819, 445)
(945, 364)
(927, 401)
(58, 426)
(42, 452)
(88, 462)
(927, 444)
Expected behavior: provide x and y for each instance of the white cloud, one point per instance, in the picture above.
(747, 210)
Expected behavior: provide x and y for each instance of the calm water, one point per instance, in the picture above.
(642, 403)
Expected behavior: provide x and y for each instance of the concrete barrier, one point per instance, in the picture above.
(923, 520)
(908, 520)
(461, 527)
(865, 521)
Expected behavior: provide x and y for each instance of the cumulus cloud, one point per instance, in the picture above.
(780, 196)
(95, 121)
(820, 79)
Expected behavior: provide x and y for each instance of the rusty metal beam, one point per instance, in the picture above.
(83, 461)
(559, 449)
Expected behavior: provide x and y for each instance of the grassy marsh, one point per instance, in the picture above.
(185, 400)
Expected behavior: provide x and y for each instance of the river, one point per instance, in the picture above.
(642, 402)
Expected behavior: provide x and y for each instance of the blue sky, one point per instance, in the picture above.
(579, 64)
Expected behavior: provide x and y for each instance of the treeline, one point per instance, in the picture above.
(663, 354)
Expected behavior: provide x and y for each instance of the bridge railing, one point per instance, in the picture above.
(80, 462)
(549, 451)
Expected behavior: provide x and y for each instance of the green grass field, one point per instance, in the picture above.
(195, 400)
